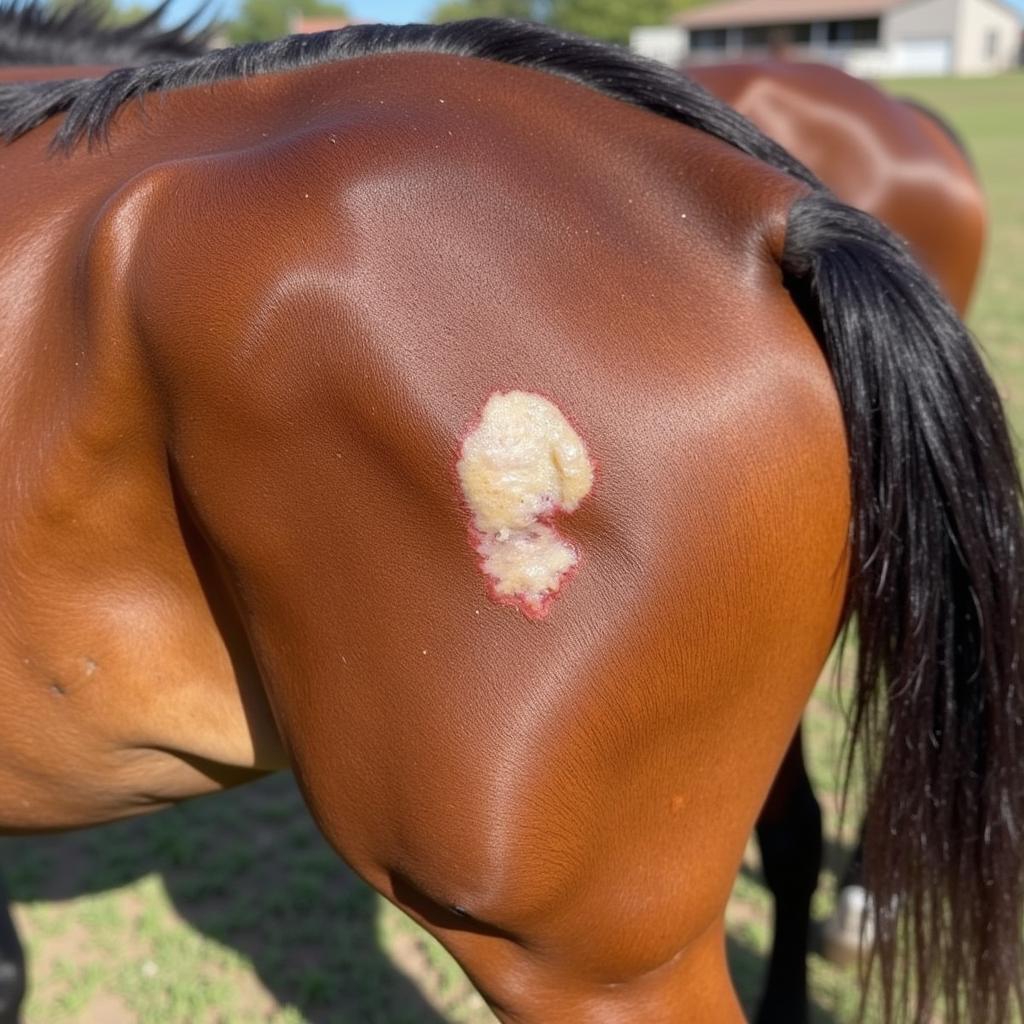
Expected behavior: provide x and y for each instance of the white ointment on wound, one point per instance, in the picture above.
(521, 464)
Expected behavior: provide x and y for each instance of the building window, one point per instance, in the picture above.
(754, 38)
(861, 32)
(707, 39)
(761, 37)
(992, 43)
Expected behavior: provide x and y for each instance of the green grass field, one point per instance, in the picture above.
(232, 910)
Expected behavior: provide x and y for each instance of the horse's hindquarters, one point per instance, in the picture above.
(563, 799)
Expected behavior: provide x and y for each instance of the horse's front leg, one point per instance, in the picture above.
(12, 964)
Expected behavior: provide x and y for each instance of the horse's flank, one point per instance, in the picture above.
(287, 430)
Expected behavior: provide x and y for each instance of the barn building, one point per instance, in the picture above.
(864, 37)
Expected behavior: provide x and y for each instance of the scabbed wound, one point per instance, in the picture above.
(521, 464)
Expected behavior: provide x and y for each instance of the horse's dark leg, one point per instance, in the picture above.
(789, 833)
(12, 964)
(849, 933)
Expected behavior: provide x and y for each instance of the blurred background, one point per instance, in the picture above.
(232, 909)
(870, 37)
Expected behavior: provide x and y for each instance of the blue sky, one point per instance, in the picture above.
(371, 10)
(365, 10)
(394, 10)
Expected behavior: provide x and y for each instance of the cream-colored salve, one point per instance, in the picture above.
(520, 465)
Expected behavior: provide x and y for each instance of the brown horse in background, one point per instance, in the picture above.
(891, 158)
(899, 162)
(295, 355)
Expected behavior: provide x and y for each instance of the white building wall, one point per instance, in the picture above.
(667, 43)
(918, 38)
(919, 19)
(985, 24)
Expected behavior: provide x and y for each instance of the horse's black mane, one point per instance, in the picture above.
(33, 32)
(91, 105)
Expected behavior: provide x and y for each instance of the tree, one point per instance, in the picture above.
(269, 19)
(113, 15)
(610, 20)
(459, 10)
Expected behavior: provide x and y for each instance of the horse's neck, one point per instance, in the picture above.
(107, 603)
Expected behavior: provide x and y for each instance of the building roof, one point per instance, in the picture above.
(731, 13)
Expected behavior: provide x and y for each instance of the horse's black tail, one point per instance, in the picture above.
(936, 597)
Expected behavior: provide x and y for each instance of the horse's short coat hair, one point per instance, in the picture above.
(945, 126)
(33, 32)
(937, 536)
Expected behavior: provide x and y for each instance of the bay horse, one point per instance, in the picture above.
(900, 162)
(496, 429)
(893, 158)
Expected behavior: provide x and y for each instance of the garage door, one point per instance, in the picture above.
(922, 57)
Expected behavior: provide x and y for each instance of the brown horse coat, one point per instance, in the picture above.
(197, 417)
(245, 346)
